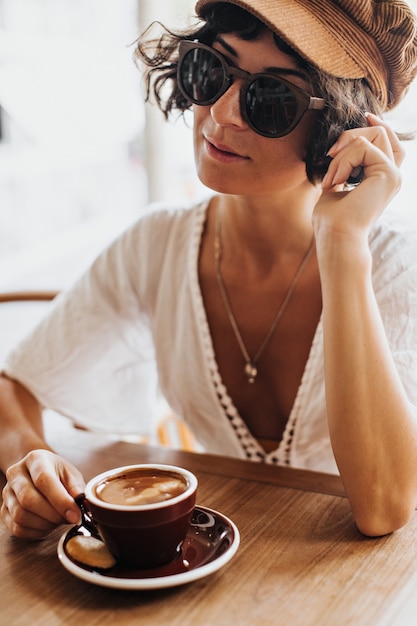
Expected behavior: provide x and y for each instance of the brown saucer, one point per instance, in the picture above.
(211, 541)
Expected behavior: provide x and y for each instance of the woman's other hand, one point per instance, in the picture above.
(39, 494)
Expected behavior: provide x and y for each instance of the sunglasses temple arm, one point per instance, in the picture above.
(317, 103)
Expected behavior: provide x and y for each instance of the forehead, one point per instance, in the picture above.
(259, 55)
(230, 19)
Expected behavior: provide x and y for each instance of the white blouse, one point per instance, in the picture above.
(136, 320)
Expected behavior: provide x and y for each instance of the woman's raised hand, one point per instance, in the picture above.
(378, 151)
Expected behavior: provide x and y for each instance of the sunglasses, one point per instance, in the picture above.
(270, 105)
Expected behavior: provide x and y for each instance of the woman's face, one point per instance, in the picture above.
(231, 157)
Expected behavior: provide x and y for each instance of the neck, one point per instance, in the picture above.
(263, 232)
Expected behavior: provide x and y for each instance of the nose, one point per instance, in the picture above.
(226, 110)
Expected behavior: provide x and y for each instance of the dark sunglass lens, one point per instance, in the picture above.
(271, 106)
(202, 75)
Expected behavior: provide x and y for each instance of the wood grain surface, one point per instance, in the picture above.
(301, 560)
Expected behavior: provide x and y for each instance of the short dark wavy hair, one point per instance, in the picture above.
(347, 99)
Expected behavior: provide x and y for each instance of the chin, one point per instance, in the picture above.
(226, 188)
(223, 182)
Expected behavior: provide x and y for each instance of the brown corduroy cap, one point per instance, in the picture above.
(372, 39)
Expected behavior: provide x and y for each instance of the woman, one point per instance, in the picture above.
(282, 312)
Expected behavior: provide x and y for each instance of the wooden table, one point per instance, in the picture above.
(301, 560)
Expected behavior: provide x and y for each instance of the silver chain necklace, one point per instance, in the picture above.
(251, 364)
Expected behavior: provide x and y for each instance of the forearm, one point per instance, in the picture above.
(21, 428)
(372, 428)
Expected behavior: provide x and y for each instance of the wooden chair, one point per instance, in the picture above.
(173, 433)
(27, 296)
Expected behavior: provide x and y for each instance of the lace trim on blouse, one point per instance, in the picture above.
(247, 442)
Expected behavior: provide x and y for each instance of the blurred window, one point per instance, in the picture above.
(73, 171)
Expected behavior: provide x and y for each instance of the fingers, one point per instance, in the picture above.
(379, 133)
(398, 151)
(39, 494)
(358, 153)
(376, 149)
(20, 521)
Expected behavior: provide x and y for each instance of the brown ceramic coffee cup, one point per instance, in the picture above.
(143, 511)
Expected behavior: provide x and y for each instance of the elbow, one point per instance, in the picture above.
(373, 524)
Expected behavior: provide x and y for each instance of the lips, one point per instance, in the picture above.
(223, 152)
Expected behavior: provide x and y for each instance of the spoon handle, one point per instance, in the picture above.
(87, 520)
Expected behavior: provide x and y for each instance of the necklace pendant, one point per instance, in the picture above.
(251, 372)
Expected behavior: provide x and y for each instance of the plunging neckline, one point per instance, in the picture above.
(249, 445)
